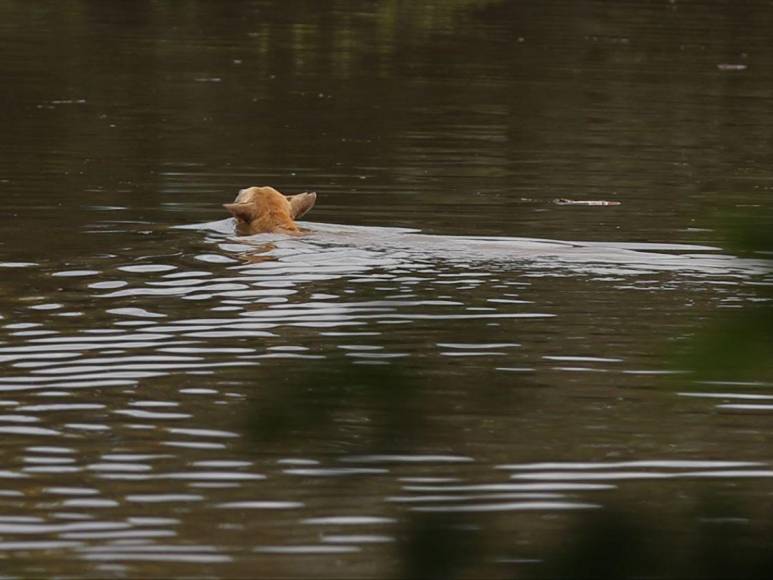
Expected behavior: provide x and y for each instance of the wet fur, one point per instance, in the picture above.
(264, 210)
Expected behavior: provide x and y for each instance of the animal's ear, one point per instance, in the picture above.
(301, 203)
(244, 212)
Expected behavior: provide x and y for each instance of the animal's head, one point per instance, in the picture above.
(264, 210)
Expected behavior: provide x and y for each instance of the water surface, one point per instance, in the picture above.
(522, 348)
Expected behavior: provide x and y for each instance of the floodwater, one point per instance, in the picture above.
(444, 340)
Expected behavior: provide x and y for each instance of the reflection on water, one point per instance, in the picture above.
(462, 360)
(335, 245)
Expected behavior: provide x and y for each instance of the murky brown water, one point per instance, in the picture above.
(532, 379)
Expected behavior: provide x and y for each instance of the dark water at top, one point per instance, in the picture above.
(531, 379)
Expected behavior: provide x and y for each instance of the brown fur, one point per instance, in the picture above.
(263, 210)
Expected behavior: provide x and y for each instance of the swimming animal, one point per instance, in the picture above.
(264, 210)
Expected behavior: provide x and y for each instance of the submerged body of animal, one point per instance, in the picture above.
(263, 210)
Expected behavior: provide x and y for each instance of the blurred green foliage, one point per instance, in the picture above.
(734, 347)
(310, 404)
(438, 547)
(715, 539)
(738, 344)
